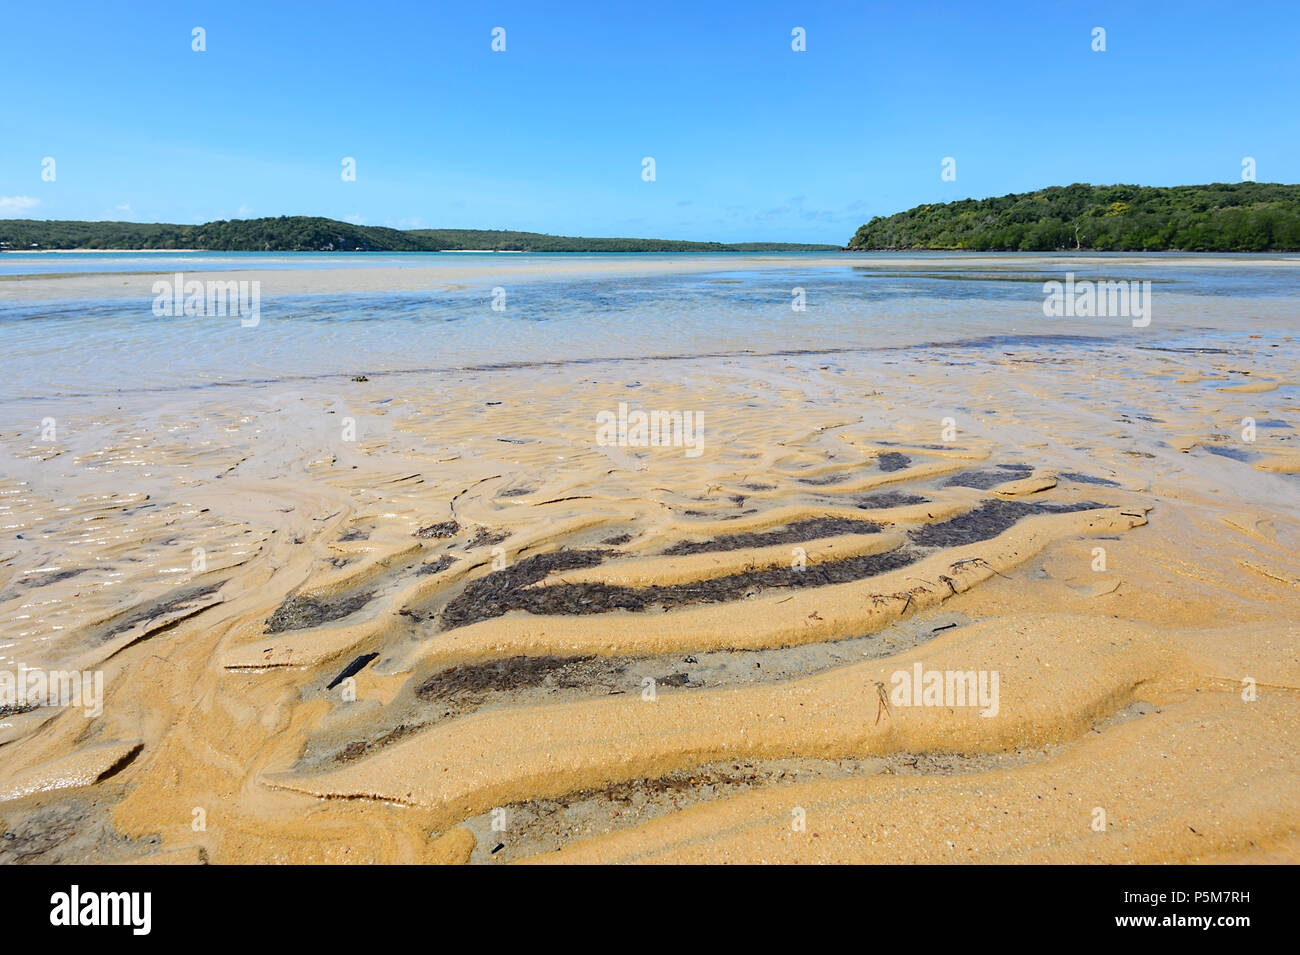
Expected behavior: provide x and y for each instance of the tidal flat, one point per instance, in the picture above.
(366, 581)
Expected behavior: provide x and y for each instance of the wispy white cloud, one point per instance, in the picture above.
(18, 203)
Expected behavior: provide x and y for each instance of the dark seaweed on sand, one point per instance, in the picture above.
(435, 566)
(507, 590)
(485, 537)
(796, 533)
(893, 461)
(983, 480)
(439, 531)
(482, 597)
(1078, 478)
(358, 748)
(487, 598)
(987, 521)
(468, 683)
(298, 613)
(835, 477)
(887, 499)
(177, 601)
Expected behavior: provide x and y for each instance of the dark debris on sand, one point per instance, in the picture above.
(1079, 478)
(352, 669)
(511, 589)
(467, 687)
(439, 531)
(467, 684)
(71, 829)
(984, 479)
(298, 613)
(358, 748)
(835, 477)
(177, 601)
(796, 533)
(482, 597)
(893, 461)
(487, 598)
(486, 537)
(887, 499)
(987, 521)
(435, 566)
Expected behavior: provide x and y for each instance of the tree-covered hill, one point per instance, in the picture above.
(1221, 217)
(309, 234)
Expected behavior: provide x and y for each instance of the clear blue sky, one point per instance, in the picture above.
(751, 139)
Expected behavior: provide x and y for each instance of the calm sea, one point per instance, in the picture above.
(749, 305)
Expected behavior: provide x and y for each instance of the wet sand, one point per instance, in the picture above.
(454, 273)
(437, 642)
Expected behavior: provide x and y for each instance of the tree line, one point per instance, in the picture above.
(312, 234)
(1220, 217)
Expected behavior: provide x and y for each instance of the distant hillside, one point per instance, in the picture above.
(310, 234)
(1233, 217)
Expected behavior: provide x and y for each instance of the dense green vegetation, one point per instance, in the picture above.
(308, 234)
(1233, 217)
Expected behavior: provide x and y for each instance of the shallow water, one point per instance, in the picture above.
(554, 309)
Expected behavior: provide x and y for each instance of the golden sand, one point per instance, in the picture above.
(1145, 631)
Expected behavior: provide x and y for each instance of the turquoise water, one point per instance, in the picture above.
(117, 345)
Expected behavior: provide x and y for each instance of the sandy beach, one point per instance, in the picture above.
(431, 612)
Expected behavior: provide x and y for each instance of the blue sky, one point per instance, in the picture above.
(751, 140)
